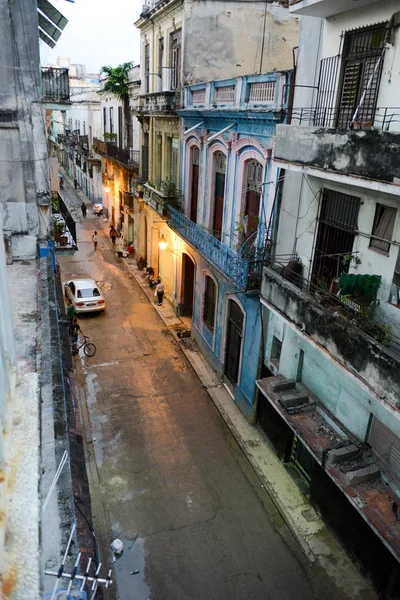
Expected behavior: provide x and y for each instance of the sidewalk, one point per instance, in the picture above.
(317, 542)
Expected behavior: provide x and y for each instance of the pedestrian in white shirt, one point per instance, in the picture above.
(95, 239)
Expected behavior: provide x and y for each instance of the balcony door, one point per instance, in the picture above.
(337, 227)
(195, 184)
(234, 339)
(253, 197)
(219, 193)
(187, 284)
(363, 61)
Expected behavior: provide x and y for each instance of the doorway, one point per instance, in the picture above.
(234, 339)
(337, 227)
(130, 229)
(188, 269)
(144, 241)
(195, 184)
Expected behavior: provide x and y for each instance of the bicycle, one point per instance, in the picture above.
(89, 348)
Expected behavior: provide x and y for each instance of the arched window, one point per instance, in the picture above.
(252, 196)
(195, 183)
(219, 193)
(210, 301)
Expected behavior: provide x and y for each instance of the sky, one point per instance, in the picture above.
(98, 32)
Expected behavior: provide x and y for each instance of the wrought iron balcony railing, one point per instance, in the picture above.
(243, 271)
(155, 199)
(383, 118)
(126, 156)
(55, 84)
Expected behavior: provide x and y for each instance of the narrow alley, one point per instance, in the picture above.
(166, 474)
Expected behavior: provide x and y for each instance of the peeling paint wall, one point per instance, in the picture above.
(24, 183)
(225, 39)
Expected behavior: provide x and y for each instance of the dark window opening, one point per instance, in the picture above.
(276, 349)
(147, 68)
(120, 124)
(337, 226)
(210, 297)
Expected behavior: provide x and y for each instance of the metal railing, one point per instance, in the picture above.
(55, 84)
(155, 199)
(262, 92)
(384, 119)
(225, 94)
(244, 272)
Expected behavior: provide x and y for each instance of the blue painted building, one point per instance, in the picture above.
(229, 189)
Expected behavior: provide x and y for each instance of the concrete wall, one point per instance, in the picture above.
(375, 369)
(218, 45)
(24, 196)
(298, 224)
(369, 154)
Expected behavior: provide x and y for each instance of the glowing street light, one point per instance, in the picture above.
(162, 244)
(107, 189)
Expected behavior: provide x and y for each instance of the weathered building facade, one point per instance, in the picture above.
(329, 392)
(185, 42)
(120, 156)
(25, 195)
(224, 226)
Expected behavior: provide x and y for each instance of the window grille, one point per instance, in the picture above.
(383, 227)
(210, 296)
(225, 95)
(220, 162)
(198, 96)
(340, 210)
(262, 92)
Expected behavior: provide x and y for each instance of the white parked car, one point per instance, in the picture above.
(84, 295)
(98, 208)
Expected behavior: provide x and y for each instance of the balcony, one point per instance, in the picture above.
(369, 154)
(325, 8)
(252, 92)
(83, 145)
(128, 157)
(55, 85)
(354, 338)
(160, 103)
(99, 146)
(155, 199)
(243, 272)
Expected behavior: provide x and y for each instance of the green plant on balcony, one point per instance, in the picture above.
(109, 137)
(117, 80)
(172, 193)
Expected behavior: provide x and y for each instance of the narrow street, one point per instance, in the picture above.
(173, 485)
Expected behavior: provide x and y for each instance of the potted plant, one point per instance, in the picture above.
(59, 232)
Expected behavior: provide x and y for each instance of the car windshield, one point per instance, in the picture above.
(88, 293)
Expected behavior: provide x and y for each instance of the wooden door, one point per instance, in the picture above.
(195, 189)
(218, 204)
(234, 336)
(187, 284)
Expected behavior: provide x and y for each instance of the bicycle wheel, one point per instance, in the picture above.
(89, 349)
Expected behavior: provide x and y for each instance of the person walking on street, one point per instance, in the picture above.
(83, 209)
(160, 291)
(113, 234)
(75, 329)
(95, 239)
(75, 183)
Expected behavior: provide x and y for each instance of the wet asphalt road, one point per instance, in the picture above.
(170, 480)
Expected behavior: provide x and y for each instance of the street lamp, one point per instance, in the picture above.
(162, 244)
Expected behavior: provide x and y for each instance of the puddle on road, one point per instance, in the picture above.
(132, 559)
